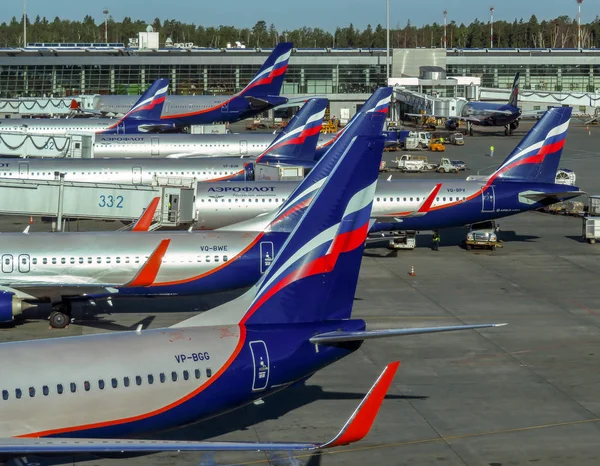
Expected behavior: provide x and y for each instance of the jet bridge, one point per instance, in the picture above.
(17, 144)
(44, 106)
(69, 200)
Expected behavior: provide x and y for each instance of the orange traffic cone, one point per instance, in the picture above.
(31, 220)
(412, 271)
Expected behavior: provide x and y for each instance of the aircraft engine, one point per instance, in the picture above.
(11, 306)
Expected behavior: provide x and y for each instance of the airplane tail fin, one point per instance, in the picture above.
(537, 156)
(378, 102)
(514, 95)
(269, 79)
(150, 105)
(314, 276)
(298, 140)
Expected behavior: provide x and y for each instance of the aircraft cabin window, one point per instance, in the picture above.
(208, 372)
(444, 198)
(162, 377)
(404, 199)
(418, 199)
(437, 198)
(216, 258)
(59, 389)
(31, 392)
(186, 375)
(378, 199)
(126, 381)
(114, 383)
(99, 260)
(72, 260)
(34, 261)
(89, 260)
(54, 260)
(101, 384)
(174, 376)
(108, 260)
(197, 373)
(138, 380)
(45, 390)
(87, 386)
(18, 393)
(73, 387)
(5, 394)
(207, 259)
(63, 260)
(225, 258)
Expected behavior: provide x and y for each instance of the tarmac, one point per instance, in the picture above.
(522, 394)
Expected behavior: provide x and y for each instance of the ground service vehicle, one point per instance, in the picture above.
(482, 235)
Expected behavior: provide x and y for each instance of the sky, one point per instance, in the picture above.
(286, 14)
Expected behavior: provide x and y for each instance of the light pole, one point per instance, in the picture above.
(105, 25)
(24, 23)
(491, 27)
(387, 48)
(579, 2)
(445, 42)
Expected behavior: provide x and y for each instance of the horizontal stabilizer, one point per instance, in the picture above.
(354, 430)
(538, 197)
(155, 127)
(337, 337)
(256, 102)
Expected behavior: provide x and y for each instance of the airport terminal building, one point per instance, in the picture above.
(345, 75)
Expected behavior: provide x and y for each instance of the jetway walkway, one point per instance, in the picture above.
(29, 145)
(61, 200)
(44, 105)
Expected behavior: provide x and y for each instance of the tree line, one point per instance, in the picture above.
(557, 33)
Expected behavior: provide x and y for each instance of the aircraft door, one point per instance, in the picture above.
(488, 199)
(243, 147)
(260, 358)
(136, 175)
(267, 253)
(24, 170)
(24, 263)
(249, 169)
(7, 263)
(155, 146)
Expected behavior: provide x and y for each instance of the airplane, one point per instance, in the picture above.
(63, 268)
(295, 145)
(143, 116)
(262, 93)
(524, 181)
(179, 145)
(96, 394)
(487, 113)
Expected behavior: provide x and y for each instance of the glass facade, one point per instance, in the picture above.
(33, 77)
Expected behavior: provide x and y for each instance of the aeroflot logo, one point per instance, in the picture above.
(245, 189)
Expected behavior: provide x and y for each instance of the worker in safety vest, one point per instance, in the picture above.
(436, 240)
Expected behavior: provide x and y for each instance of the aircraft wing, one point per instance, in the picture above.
(85, 292)
(356, 428)
(423, 208)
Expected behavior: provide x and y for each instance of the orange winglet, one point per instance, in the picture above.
(429, 201)
(149, 271)
(143, 223)
(359, 424)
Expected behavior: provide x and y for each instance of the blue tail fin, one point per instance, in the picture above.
(269, 79)
(378, 102)
(514, 94)
(293, 208)
(150, 104)
(537, 156)
(314, 276)
(298, 141)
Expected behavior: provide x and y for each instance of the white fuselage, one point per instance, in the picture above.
(56, 126)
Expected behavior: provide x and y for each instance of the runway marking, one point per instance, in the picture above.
(442, 439)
